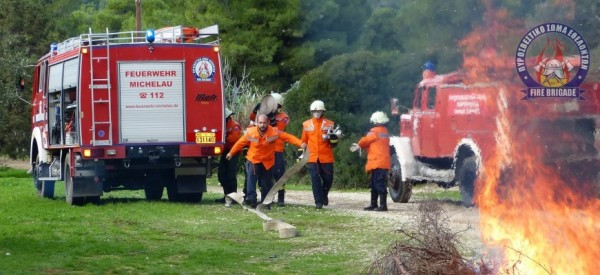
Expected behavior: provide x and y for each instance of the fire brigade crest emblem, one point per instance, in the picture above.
(552, 60)
(204, 69)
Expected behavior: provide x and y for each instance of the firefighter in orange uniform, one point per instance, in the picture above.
(317, 133)
(377, 145)
(280, 121)
(261, 155)
(228, 168)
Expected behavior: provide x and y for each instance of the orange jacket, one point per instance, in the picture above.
(312, 134)
(262, 148)
(282, 120)
(377, 144)
(233, 132)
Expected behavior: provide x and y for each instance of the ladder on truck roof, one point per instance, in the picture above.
(100, 90)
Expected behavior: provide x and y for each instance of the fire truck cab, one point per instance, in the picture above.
(128, 111)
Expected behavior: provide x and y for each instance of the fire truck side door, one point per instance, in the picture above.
(416, 120)
(427, 126)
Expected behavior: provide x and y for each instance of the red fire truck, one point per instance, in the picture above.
(128, 111)
(449, 133)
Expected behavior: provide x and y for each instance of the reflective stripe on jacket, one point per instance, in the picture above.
(282, 120)
(262, 148)
(312, 134)
(377, 144)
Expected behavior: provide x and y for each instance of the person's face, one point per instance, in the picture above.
(317, 114)
(262, 122)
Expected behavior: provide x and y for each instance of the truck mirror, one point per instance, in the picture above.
(394, 106)
(21, 84)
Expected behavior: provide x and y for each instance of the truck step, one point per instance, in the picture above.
(48, 178)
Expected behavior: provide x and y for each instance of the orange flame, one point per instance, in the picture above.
(542, 211)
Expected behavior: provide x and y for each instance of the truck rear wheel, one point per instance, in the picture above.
(400, 191)
(466, 180)
(154, 183)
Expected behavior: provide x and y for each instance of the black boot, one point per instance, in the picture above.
(373, 205)
(382, 202)
(281, 198)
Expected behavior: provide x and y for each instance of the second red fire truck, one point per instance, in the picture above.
(450, 132)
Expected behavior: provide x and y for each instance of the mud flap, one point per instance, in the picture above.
(191, 184)
(87, 180)
(87, 187)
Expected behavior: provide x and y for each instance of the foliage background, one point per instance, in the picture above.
(352, 54)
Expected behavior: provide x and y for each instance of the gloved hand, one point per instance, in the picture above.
(354, 147)
(299, 154)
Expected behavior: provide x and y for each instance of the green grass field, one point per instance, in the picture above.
(127, 235)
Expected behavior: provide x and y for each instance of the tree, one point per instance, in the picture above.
(14, 113)
(255, 35)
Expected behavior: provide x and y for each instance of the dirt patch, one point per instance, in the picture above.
(461, 218)
(14, 163)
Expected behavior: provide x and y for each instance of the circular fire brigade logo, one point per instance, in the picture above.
(204, 69)
(552, 60)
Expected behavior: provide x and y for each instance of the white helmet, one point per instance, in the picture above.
(317, 105)
(228, 112)
(379, 118)
(278, 98)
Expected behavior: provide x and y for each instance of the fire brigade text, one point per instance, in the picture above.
(542, 92)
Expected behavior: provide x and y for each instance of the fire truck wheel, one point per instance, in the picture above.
(400, 191)
(466, 180)
(45, 188)
(172, 191)
(69, 188)
(154, 183)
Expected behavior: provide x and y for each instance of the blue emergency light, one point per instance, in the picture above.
(150, 36)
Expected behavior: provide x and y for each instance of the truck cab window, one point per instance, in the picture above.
(431, 93)
(418, 97)
(62, 102)
(41, 78)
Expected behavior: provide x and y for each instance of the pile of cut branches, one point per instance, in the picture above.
(428, 246)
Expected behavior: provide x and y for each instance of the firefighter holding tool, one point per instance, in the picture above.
(261, 155)
(320, 136)
(278, 119)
